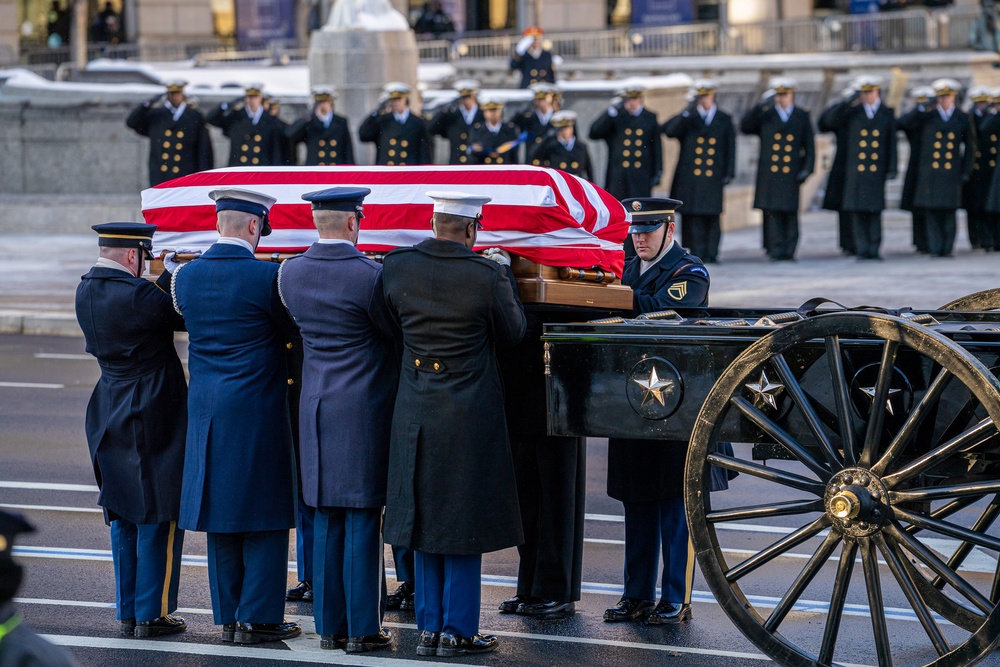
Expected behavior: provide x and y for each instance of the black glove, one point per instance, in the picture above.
(656, 178)
(801, 177)
(726, 180)
(891, 175)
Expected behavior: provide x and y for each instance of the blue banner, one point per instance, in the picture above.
(662, 12)
(261, 21)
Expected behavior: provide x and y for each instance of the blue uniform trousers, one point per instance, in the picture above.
(448, 593)
(348, 583)
(147, 558)
(647, 525)
(304, 536)
(403, 558)
(248, 574)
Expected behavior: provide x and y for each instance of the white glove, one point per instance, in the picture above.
(170, 263)
(613, 111)
(497, 255)
(523, 45)
(768, 94)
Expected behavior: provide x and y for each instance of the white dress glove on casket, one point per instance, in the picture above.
(170, 262)
(497, 255)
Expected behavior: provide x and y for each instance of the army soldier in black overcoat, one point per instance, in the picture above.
(976, 190)
(834, 193)
(869, 144)
(400, 137)
(136, 424)
(455, 121)
(451, 489)
(565, 150)
(326, 134)
(178, 136)
(923, 98)
(646, 475)
(706, 164)
(947, 151)
(536, 121)
(255, 137)
(534, 62)
(787, 157)
(493, 141)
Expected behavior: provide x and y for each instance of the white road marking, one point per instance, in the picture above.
(742, 527)
(31, 385)
(48, 486)
(55, 355)
(51, 508)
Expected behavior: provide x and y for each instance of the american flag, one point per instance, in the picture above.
(544, 215)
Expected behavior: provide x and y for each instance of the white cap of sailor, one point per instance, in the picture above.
(248, 201)
(867, 83)
(459, 203)
(703, 86)
(783, 84)
(564, 118)
(633, 88)
(323, 93)
(466, 87)
(922, 93)
(979, 93)
(946, 87)
(397, 89)
(175, 85)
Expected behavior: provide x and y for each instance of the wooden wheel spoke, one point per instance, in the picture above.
(765, 511)
(782, 437)
(940, 568)
(876, 416)
(770, 474)
(912, 595)
(978, 489)
(873, 583)
(971, 437)
(837, 600)
(949, 529)
(842, 396)
(776, 549)
(808, 573)
(913, 422)
(798, 395)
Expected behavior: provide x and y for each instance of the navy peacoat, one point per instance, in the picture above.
(787, 155)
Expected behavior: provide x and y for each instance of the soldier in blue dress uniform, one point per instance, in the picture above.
(255, 136)
(400, 137)
(534, 62)
(325, 133)
(647, 475)
(334, 294)
(455, 121)
(136, 421)
(451, 489)
(239, 478)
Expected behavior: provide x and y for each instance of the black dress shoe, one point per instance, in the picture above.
(547, 609)
(629, 609)
(679, 614)
(402, 599)
(164, 625)
(303, 592)
(228, 632)
(383, 639)
(126, 628)
(510, 606)
(255, 633)
(331, 642)
(428, 642)
(663, 611)
(452, 645)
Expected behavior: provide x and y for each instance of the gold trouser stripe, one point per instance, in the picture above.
(165, 599)
(689, 573)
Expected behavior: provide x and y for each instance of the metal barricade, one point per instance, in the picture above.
(696, 39)
(485, 48)
(955, 26)
(793, 36)
(910, 30)
(434, 50)
(594, 44)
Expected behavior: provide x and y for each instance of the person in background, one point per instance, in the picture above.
(455, 121)
(325, 133)
(536, 120)
(564, 150)
(433, 22)
(255, 137)
(494, 141)
(977, 189)
(400, 137)
(833, 195)
(923, 98)
(532, 60)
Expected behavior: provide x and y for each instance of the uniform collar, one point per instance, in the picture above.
(443, 248)
(229, 240)
(105, 263)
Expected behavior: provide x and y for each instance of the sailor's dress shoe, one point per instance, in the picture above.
(255, 633)
(303, 592)
(629, 609)
(452, 645)
(510, 606)
(164, 625)
(401, 599)
(547, 609)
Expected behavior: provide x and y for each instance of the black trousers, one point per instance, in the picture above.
(867, 229)
(701, 235)
(845, 233)
(977, 223)
(551, 474)
(781, 234)
(991, 232)
(920, 230)
(940, 231)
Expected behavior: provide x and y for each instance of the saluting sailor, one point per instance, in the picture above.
(255, 137)
(977, 189)
(493, 141)
(349, 376)
(400, 136)
(325, 134)
(535, 63)
(564, 150)
(923, 99)
(239, 484)
(536, 121)
(178, 136)
(455, 121)
(136, 420)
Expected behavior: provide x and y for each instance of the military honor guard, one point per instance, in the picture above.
(273, 107)
(494, 141)
(923, 98)
(787, 157)
(136, 421)
(648, 476)
(532, 60)
(334, 294)
(947, 139)
(706, 164)
(451, 489)
(455, 121)
(536, 121)
(239, 478)
(868, 130)
(564, 150)
(988, 143)
(400, 137)
(325, 133)
(178, 136)
(833, 195)
(977, 188)
(255, 137)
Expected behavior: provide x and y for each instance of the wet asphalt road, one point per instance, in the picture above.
(68, 593)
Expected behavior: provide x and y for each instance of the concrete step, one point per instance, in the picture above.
(64, 213)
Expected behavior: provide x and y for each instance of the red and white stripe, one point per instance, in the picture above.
(544, 215)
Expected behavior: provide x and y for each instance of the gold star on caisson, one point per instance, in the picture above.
(654, 386)
(870, 393)
(765, 391)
